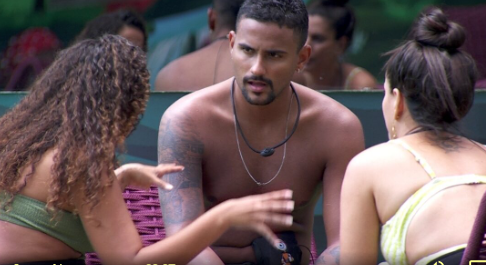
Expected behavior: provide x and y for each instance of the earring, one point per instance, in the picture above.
(393, 132)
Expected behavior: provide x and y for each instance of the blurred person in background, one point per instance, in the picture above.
(26, 56)
(124, 22)
(331, 27)
(210, 64)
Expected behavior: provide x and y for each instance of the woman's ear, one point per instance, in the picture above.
(343, 44)
(399, 103)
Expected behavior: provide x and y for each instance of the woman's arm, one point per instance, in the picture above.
(143, 176)
(360, 225)
(116, 240)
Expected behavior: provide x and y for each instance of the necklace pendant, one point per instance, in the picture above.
(267, 152)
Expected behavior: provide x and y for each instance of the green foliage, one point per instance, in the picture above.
(405, 10)
(15, 13)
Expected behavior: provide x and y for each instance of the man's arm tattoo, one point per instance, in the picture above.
(179, 145)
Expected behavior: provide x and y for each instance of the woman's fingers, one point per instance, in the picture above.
(274, 195)
(276, 206)
(163, 169)
(269, 235)
(162, 184)
(143, 176)
(274, 218)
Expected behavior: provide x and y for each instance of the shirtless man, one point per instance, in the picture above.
(209, 65)
(211, 131)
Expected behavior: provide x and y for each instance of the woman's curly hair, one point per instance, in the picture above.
(83, 106)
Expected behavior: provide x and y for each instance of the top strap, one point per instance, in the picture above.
(350, 77)
(428, 169)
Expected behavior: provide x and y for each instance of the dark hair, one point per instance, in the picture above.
(341, 17)
(83, 106)
(435, 77)
(112, 23)
(289, 13)
(227, 11)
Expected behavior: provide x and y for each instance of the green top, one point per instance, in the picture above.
(31, 213)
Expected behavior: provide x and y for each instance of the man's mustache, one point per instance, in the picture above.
(269, 82)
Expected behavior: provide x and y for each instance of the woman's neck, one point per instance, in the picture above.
(326, 77)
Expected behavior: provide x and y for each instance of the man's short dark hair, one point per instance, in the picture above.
(227, 11)
(286, 13)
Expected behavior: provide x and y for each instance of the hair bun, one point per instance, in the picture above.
(434, 29)
(341, 3)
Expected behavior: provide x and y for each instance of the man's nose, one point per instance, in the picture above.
(258, 67)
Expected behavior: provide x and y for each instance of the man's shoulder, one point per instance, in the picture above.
(201, 101)
(171, 77)
(322, 106)
(314, 97)
(184, 73)
(192, 60)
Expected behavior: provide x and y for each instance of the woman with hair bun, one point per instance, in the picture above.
(331, 27)
(423, 186)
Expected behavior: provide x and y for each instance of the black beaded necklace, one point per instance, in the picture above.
(269, 150)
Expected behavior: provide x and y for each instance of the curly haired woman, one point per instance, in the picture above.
(59, 192)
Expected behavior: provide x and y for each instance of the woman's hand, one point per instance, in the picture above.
(256, 212)
(143, 176)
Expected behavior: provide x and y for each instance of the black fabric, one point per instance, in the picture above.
(451, 258)
(52, 262)
(266, 254)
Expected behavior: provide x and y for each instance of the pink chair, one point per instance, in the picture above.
(481, 84)
(144, 207)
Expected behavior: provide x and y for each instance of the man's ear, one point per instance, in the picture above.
(304, 55)
(211, 19)
(232, 37)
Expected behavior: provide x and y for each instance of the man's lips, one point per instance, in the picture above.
(257, 86)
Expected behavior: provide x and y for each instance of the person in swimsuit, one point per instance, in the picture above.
(210, 64)
(259, 132)
(331, 27)
(423, 186)
(59, 193)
